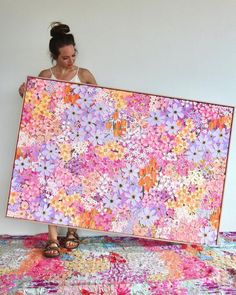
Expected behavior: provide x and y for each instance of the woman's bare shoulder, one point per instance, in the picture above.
(45, 73)
(86, 76)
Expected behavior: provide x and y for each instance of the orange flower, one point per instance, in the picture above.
(67, 89)
(148, 175)
(86, 219)
(218, 123)
(115, 115)
(18, 153)
(146, 182)
(119, 128)
(108, 125)
(71, 98)
(215, 217)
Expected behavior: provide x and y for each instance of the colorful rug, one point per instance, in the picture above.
(117, 265)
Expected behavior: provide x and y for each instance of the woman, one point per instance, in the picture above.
(63, 52)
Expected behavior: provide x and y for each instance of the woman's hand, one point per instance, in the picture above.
(22, 89)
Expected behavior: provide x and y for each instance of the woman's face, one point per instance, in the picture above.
(67, 56)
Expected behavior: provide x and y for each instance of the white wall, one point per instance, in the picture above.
(182, 48)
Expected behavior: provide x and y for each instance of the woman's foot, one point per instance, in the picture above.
(72, 240)
(52, 249)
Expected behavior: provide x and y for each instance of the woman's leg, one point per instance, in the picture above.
(52, 232)
(72, 239)
(52, 247)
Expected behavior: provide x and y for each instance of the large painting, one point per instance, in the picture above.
(119, 161)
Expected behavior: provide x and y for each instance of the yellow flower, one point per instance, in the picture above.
(119, 96)
(74, 197)
(183, 133)
(181, 145)
(58, 206)
(68, 211)
(65, 151)
(29, 98)
(76, 220)
(120, 104)
(138, 230)
(228, 121)
(42, 108)
(192, 136)
(13, 198)
(111, 150)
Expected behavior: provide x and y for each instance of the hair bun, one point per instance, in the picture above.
(58, 28)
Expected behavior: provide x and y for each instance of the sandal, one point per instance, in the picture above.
(50, 250)
(71, 240)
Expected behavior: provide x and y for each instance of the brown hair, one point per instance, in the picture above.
(60, 37)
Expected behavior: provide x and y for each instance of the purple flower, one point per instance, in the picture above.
(86, 96)
(175, 111)
(45, 168)
(133, 196)
(163, 195)
(219, 151)
(73, 113)
(161, 210)
(16, 182)
(50, 152)
(220, 136)
(172, 127)
(156, 118)
(50, 87)
(130, 171)
(120, 185)
(88, 123)
(13, 207)
(207, 236)
(84, 91)
(111, 202)
(22, 163)
(77, 135)
(102, 110)
(97, 138)
(204, 142)
(60, 218)
(133, 183)
(76, 88)
(74, 189)
(194, 154)
(147, 217)
(44, 213)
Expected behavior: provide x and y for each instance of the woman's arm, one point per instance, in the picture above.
(86, 76)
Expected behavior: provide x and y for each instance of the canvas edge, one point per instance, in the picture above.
(17, 140)
(226, 170)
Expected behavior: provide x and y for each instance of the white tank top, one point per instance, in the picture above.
(75, 79)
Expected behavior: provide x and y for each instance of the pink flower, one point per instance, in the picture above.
(103, 220)
(44, 268)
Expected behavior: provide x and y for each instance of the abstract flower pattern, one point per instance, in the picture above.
(120, 161)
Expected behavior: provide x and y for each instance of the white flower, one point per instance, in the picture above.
(118, 226)
(207, 236)
(147, 217)
(22, 163)
(80, 147)
(25, 140)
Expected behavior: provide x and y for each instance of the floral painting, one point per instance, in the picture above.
(119, 161)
